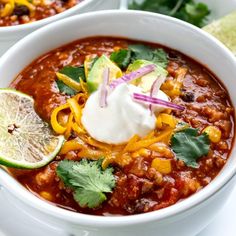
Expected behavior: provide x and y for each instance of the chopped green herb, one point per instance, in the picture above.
(139, 52)
(121, 58)
(143, 52)
(187, 10)
(160, 57)
(189, 147)
(88, 181)
(74, 73)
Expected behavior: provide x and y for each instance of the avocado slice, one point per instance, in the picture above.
(95, 76)
(145, 82)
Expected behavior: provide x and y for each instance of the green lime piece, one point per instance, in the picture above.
(95, 76)
(26, 141)
(224, 29)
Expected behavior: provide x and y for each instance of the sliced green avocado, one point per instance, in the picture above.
(146, 81)
(95, 76)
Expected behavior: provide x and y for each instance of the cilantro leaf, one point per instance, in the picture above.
(139, 52)
(197, 13)
(160, 57)
(143, 52)
(121, 58)
(74, 73)
(187, 10)
(88, 181)
(63, 88)
(189, 147)
(89, 198)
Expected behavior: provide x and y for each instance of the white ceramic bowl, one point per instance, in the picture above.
(12, 34)
(185, 218)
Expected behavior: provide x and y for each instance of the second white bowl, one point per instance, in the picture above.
(12, 34)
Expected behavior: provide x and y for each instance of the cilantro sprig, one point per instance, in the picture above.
(88, 181)
(135, 52)
(189, 146)
(187, 10)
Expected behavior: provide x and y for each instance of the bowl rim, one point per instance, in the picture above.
(197, 199)
(44, 21)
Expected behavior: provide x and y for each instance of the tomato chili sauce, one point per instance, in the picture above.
(139, 188)
(37, 10)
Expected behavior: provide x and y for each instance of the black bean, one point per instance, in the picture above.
(173, 56)
(21, 10)
(187, 97)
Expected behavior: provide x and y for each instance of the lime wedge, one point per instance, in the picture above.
(224, 29)
(26, 141)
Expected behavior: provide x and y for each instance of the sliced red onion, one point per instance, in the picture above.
(104, 92)
(155, 88)
(157, 101)
(133, 75)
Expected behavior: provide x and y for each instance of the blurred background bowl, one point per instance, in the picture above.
(11, 34)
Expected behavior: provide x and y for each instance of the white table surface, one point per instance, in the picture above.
(16, 223)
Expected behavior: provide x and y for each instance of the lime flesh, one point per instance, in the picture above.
(26, 141)
(224, 30)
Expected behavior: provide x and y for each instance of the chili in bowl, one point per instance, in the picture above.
(142, 122)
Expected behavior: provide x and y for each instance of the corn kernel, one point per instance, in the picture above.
(168, 85)
(214, 133)
(135, 154)
(168, 119)
(144, 152)
(172, 88)
(46, 195)
(162, 165)
(157, 147)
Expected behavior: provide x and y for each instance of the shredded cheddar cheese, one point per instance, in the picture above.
(57, 127)
(71, 145)
(69, 82)
(74, 106)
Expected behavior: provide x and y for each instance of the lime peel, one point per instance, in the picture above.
(26, 141)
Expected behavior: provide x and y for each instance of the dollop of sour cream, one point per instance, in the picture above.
(122, 118)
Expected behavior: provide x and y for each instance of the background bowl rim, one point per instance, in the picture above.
(44, 21)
